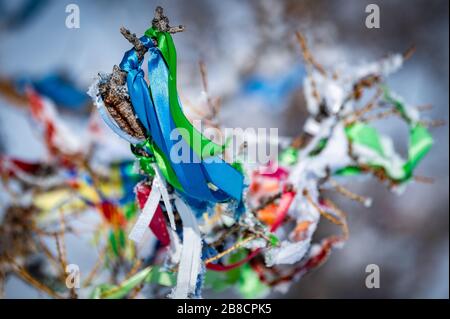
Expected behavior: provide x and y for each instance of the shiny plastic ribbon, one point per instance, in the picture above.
(166, 46)
(210, 180)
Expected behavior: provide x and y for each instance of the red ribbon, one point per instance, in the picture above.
(157, 224)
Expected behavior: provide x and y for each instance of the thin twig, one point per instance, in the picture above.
(96, 267)
(328, 216)
(256, 232)
(134, 40)
(134, 269)
(409, 52)
(308, 57)
(432, 123)
(342, 215)
(423, 179)
(357, 114)
(28, 278)
(225, 235)
(213, 105)
(349, 194)
(310, 63)
(204, 75)
(52, 258)
(61, 254)
(61, 249)
(425, 107)
(380, 116)
(229, 250)
(136, 291)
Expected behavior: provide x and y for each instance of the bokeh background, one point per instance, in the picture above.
(244, 44)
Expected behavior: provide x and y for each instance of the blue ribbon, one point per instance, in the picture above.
(151, 106)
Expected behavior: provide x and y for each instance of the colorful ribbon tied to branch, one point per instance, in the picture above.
(197, 172)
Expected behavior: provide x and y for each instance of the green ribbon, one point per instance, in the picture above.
(319, 147)
(158, 157)
(152, 275)
(201, 145)
(398, 105)
(274, 240)
(420, 142)
(289, 156)
(348, 171)
(117, 241)
(365, 135)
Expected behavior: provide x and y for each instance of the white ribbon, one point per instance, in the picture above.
(165, 196)
(190, 262)
(158, 191)
(141, 225)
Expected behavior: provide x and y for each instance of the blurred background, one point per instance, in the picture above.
(255, 66)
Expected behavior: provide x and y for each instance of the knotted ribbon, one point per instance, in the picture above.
(205, 177)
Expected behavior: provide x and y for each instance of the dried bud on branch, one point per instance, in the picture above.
(113, 88)
(161, 22)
